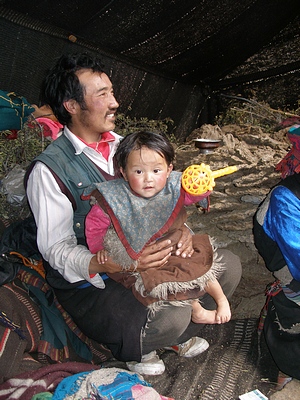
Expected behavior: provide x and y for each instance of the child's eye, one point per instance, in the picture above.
(138, 171)
(156, 171)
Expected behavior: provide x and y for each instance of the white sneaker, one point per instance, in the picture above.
(191, 348)
(150, 364)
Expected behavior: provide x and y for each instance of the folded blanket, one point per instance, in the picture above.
(28, 384)
(106, 384)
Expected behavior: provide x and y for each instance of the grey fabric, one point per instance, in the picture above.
(164, 328)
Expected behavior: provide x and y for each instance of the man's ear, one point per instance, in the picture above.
(71, 106)
(123, 173)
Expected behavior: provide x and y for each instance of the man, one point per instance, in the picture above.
(81, 97)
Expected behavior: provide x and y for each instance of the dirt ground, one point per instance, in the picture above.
(233, 203)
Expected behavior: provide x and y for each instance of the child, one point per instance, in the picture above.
(143, 206)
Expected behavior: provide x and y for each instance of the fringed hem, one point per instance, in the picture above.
(163, 290)
(158, 305)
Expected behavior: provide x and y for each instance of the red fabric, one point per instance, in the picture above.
(96, 225)
(101, 146)
(26, 385)
(50, 127)
(290, 164)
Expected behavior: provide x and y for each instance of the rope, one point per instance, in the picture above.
(37, 265)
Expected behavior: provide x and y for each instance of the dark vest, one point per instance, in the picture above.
(73, 174)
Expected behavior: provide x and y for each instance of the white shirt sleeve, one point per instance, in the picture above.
(56, 239)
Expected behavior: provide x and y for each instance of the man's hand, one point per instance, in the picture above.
(185, 244)
(155, 254)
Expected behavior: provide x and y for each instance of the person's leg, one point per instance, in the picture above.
(165, 327)
(221, 314)
(228, 280)
(110, 316)
(162, 331)
(202, 316)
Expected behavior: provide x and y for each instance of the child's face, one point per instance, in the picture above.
(146, 172)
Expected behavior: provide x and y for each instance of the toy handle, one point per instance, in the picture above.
(223, 171)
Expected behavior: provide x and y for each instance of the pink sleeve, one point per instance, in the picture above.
(96, 225)
(192, 199)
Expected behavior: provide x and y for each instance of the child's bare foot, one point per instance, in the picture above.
(223, 313)
(203, 316)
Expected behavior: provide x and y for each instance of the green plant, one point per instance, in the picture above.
(18, 149)
(126, 125)
(27, 143)
(242, 111)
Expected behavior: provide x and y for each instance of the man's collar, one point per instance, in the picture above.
(79, 145)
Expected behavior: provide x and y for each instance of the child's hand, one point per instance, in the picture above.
(101, 256)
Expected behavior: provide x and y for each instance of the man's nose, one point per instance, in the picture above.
(113, 102)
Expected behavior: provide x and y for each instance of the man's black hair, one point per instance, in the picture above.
(62, 84)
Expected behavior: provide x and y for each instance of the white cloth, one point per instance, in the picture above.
(53, 214)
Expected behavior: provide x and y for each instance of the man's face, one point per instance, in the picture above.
(98, 115)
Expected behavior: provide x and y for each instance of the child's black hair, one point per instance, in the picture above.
(135, 141)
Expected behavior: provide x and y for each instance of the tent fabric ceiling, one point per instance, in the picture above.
(193, 40)
(167, 59)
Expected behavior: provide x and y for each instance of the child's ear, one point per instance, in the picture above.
(170, 169)
(123, 173)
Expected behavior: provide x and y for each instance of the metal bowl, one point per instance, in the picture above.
(207, 145)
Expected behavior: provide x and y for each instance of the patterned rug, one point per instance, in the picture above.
(236, 362)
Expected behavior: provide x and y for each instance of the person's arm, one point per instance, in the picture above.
(282, 224)
(185, 245)
(192, 199)
(96, 225)
(56, 239)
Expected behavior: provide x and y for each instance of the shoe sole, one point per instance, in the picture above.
(195, 353)
(199, 351)
(143, 370)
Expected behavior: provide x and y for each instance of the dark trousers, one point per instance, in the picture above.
(114, 317)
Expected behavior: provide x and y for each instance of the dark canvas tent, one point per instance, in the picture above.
(166, 58)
